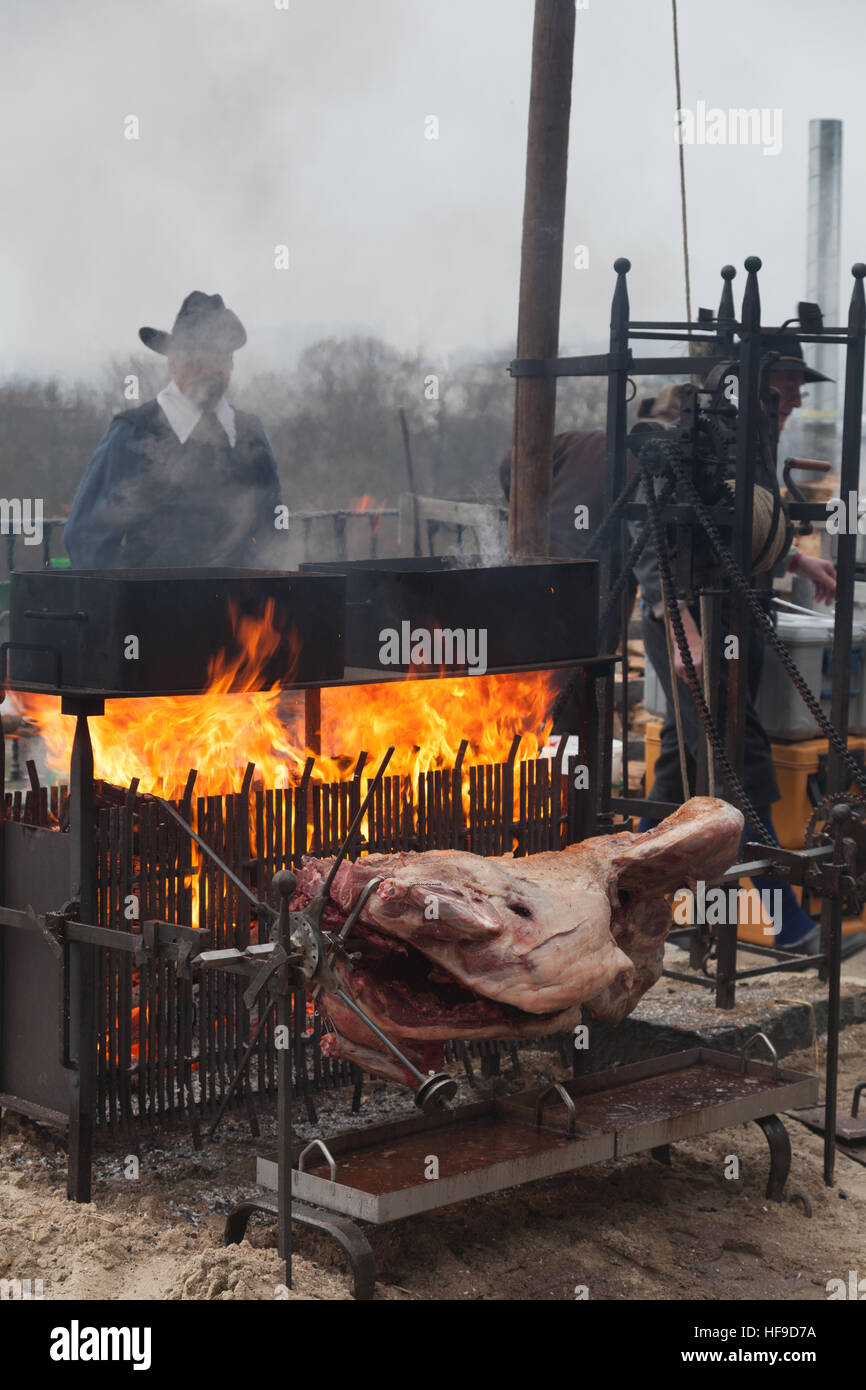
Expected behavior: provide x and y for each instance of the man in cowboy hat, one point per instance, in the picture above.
(183, 481)
(788, 373)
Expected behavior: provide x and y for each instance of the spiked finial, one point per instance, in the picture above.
(751, 316)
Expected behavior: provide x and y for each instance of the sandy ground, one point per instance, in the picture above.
(633, 1229)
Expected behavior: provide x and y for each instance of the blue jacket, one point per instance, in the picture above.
(149, 502)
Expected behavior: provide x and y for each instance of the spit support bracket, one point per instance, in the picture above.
(52, 925)
(831, 868)
(170, 941)
(62, 928)
(827, 870)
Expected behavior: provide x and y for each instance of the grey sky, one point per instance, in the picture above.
(306, 127)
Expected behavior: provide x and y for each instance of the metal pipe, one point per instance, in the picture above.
(819, 418)
(263, 909)
(392, 1047)
(354, 827)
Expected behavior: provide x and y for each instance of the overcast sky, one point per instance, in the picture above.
(306, 127)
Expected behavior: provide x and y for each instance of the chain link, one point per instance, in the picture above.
(735, 787)
(634, 555)
(593, 541)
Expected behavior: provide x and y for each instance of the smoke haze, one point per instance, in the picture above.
(306, 127)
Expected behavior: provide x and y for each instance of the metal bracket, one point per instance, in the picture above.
(556, 1089)
(52, 926)
(592, 365)
(761, 1037)
(260, 981)
(780, 1153)
(7, 647)
(344, 1231)
(323, 1148)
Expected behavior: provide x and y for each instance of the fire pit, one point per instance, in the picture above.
(110, 914)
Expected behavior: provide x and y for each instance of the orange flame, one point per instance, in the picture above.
(368, 503)
(219, 732)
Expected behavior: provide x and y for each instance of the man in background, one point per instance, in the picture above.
(788, 374)
(578, 481)
(183, 481)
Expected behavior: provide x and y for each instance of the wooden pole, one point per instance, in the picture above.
(541, 274)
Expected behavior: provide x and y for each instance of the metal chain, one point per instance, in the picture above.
(593, 541)
(762, 618)
(634, 555)
(735, 787)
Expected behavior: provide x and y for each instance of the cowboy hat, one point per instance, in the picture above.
(203, 322)
(790, 358)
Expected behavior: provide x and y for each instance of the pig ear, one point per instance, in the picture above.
(699, 841)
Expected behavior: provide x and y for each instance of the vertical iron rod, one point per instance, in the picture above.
(82, 993)
(837, 776)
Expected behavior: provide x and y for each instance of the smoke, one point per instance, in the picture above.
(305, 128)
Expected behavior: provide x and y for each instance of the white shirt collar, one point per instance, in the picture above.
(183, 414)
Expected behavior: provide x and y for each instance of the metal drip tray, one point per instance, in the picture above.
(668, 1098)
(382, 1174)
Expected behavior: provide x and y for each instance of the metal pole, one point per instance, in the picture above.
(284, 884)
(611, 558)
(82, 980)
(541, 274)
(313, 720)
(837, 777)
(747, 433)
(824, 219)
(413, 487)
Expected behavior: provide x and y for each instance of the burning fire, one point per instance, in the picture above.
(219, 733)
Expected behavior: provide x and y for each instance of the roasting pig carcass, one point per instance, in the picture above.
(454, 945)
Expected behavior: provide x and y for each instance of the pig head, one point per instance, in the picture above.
(454, 945)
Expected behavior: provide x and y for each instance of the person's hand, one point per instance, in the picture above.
(696, 650)
(822, 574)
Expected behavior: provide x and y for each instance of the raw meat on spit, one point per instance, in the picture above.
(455, 945)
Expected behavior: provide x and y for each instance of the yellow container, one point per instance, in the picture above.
(795, 762)
(652, 735)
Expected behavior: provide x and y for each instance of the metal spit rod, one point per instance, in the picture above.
(261, 907)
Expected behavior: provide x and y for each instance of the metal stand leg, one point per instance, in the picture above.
(466, 1060)
(358, 1090)
(81, 978)
(780, 1156)
(700, 942)
(344, 1231)
(831, 927)
(284, 1119)
(726, 965)
(313, 719)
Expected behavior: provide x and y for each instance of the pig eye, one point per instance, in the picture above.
(520, 908)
